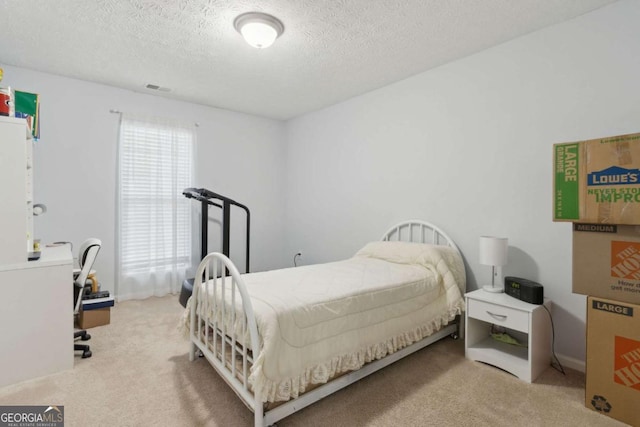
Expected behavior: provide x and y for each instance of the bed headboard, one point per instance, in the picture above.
(419, 232)
(423, 232)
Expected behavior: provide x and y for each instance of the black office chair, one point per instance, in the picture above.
(88, 253)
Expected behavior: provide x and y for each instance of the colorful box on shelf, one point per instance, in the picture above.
(27, 106)
(6, 101)
(23, 105)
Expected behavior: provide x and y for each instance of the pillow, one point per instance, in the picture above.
(398, 252)
(444, 259)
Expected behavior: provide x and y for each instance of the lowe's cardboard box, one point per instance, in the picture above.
(613, 359)
(606, 261)
(598, 181)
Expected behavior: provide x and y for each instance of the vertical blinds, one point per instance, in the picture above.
(155, 165)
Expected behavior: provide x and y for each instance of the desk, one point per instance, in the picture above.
(36, 316)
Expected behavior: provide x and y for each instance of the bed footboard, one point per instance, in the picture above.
(223, 325)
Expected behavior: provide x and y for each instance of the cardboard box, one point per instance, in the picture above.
(598, 181)
(92, 318)
(606, 261)
(613, 359)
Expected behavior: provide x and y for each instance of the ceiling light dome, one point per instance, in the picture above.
(258, 29)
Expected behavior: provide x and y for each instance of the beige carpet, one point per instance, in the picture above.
(140, 375)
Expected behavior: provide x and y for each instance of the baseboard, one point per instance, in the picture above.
(572, 363)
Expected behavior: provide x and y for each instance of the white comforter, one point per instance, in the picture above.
(321, 320)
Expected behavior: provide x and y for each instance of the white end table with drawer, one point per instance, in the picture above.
(530, 324)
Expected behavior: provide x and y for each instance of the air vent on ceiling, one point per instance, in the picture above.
(156, 87)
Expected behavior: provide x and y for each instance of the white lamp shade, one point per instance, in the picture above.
(259, 35)
(493, 250)
(258, 29)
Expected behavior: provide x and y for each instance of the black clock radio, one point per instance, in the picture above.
(523, 289)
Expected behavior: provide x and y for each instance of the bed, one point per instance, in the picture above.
(284, 339)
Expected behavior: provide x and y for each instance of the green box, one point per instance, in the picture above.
(597, 181)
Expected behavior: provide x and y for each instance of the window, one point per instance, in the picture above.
(155, 163)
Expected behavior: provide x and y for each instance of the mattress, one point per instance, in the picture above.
(316, 322)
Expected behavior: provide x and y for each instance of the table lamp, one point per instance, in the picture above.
(493, 252)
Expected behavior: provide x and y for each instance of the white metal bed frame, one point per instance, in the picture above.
(223, 349)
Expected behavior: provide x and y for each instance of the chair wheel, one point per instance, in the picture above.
(86, 354)
(85, 337)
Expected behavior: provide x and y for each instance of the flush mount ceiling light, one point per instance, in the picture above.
(258, 29)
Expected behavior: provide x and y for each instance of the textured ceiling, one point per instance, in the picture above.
(331, 50)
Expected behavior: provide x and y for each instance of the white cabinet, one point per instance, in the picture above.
(16, 182)
(36, 297)
(36, 314)
(529, 324)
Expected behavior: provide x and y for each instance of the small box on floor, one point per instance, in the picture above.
(92, 318)
(95, 312)
(613, 359)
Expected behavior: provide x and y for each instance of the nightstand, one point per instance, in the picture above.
(529, 324)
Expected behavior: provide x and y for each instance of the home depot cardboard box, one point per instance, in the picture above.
(613, 359)
(606, 261)
(598, 181)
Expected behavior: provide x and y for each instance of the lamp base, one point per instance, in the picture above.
(495, 290)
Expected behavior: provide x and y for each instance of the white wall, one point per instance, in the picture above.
(239, 156)
(468, 146)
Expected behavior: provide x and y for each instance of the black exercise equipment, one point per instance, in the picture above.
(206, 197)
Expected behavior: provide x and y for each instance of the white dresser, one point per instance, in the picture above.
(529, 323)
